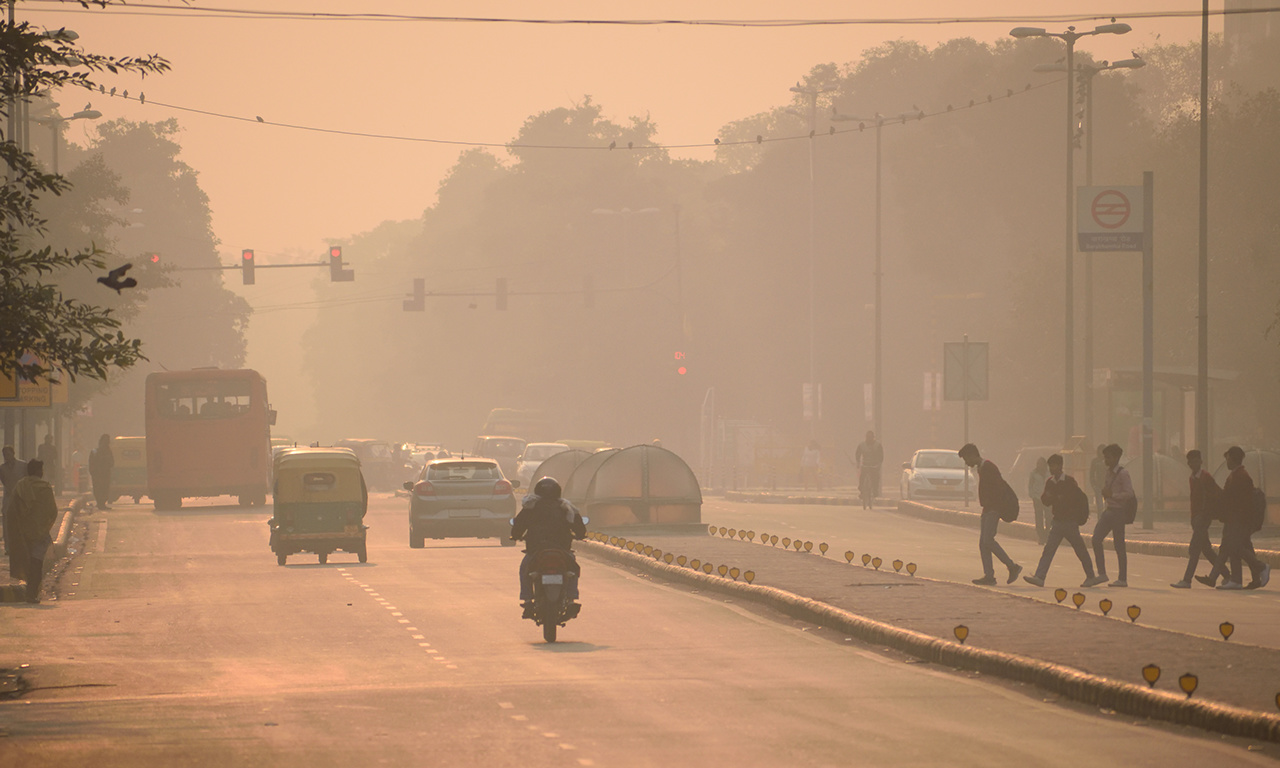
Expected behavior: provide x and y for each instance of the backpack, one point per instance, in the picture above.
(1077, 504)
(1008, 504)
(1258, 510)
(1130, 510)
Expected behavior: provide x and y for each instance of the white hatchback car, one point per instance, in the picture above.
(533, 456)
(936, 473)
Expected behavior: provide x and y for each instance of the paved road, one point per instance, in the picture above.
(950, 553)
(184, 643)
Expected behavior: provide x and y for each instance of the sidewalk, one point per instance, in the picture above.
(11, 589)
(1093, 658)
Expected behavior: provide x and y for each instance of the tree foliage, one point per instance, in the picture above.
(77, 336)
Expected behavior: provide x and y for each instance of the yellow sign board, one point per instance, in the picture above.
(29, 394)
(8, 387)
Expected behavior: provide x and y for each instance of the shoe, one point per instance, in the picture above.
(1094, 581)
(986, 581)
(1118, 583)
(1184, 584)
(1034, 580)
(1230, 585)
(1265, 576)
(528, 610)
(1255, 584)
(572, 610)
(1207, 581)
(1014, 571)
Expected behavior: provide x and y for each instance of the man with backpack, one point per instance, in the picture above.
(1242, 515)
(1204, 503)
(1070, 507)
(1121, 509)
(999, 502)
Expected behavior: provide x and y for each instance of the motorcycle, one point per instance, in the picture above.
(552, 572)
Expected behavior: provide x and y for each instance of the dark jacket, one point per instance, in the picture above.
(547, 524)
(101, 462)
(990, 485)
(1057, 495)
(1205, 498)
(1237, 497)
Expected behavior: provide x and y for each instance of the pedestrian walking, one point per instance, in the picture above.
(869, 456)
(998, 501)
(1239, 522)
(101, 463)
(1205, 499)
(1121, 508)
(34, 512)
(47, 453)
(1069, 506)
(1035, 489)
(1097, 478)
(11, 471)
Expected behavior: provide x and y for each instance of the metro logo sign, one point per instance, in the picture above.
(1109, 218)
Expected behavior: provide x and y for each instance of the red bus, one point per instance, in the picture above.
(208, 434)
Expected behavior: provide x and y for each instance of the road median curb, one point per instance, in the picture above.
(1064, 680)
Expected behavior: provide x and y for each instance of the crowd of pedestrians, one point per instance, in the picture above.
(1062, 507)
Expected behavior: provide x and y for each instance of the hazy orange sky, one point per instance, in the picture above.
(276, 189)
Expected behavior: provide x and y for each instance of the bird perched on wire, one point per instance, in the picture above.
(116, 280)
(259, 118)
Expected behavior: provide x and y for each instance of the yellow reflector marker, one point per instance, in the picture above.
(848, 556)
(723, 530)
(897, 566)
(1105, 605)
(648, 550)
(911, 568)
(1188, 683)
(706, 568)
(866, 560)
(1060, 594)
(682, 560)
(750, 576)
(876, 562)
(712, 529)
(1151, 673)
(751, 535)
(741, 534)
(722, 570)
(734, 573)
(797, 544)
(631, 546)
(1134, 612)
(733, 533)
(773, 540)
(823, 548)
(962, 632)
(808, 546)
(657, 554)
(667, 558)
(1078, 599)
(613, 540)
(696, 564)
(1227, 629)
(786, 542)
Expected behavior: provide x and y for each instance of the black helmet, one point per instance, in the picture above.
(547, 488)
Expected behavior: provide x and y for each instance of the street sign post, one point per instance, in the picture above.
(964, 377)
(1110, 218)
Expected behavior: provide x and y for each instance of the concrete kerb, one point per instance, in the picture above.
(1066, 681)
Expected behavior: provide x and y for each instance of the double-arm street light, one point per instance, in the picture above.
(55, 127)
(1088, 72)
(1070, 36)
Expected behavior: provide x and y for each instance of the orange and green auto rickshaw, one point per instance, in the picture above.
(320, 500)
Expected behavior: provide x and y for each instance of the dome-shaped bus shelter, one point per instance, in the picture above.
(575, 487)
(559, 466)
(640, 485)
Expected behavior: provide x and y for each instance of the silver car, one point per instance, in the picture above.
(460, 498)
(936, 473)
(534, 454)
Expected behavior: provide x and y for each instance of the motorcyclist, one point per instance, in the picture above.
(546, 521)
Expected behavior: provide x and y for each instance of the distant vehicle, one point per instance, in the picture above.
(504, 450)
(208, 434)
(378, 460)
(460, 498)
(421, 453)
(528, 425)
(534, 454)
(129, 475)
(320, 501)
(935, 473)
(590, 446)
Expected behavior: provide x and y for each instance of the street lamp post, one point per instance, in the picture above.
(811, 93)
(55, 128)
(1070, 37)
(1088, 72)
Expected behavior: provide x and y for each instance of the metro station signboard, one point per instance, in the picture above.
(1109, 218)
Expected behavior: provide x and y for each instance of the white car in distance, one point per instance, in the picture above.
(936, 473)
(534, 454)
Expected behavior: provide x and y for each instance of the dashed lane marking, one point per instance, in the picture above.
(506, 705)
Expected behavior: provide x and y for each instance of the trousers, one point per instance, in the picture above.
(1200, 545)
(1111, 521)
(1061, 531)
(987, 544)
(1237, 545)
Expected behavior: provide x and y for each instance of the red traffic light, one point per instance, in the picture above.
(246, 266)
(682, 370)
(335, 252)
(247, 255)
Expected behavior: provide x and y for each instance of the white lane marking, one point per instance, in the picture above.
(567, 746)
(419, 637)
(520, 718)
(506, 705)
(425, 645)
(552, 735)
(438, 658)
(450, 666)
(412, 629)
(403, 621)
(395, 613)
(102, 537)
(585, 761)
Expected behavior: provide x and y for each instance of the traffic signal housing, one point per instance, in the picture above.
(337, 274)
(246, 266)
(681, 367)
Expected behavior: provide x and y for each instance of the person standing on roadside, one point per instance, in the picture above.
(11, 471)
(34, 512)
(101, 463)
(1035, 489)
(1121, 504)
(869, 456)
(1204, 501)
(1097, 478)
(1070, 508)
(993, 491)
(1237, 529)
(47, 453)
